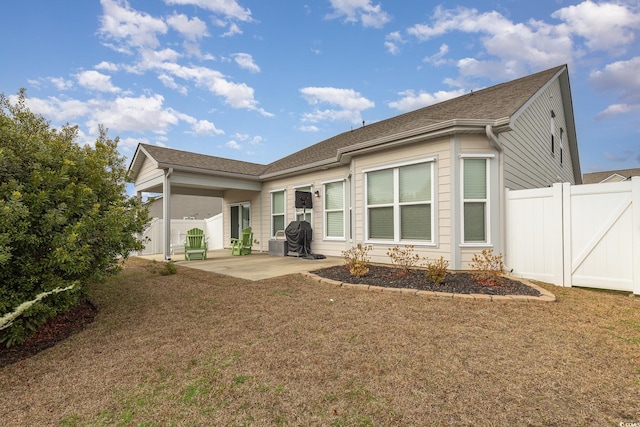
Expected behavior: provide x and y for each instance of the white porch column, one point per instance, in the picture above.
(166, 212)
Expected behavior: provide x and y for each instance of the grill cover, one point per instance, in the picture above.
(299, 235)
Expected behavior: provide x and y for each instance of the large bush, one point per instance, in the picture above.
(65, 217)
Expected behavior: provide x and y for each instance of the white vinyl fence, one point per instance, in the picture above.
(154, 242)
(576, 235)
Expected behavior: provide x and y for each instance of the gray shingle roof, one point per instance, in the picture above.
(169, 156)
(596, 177)
(492, 103)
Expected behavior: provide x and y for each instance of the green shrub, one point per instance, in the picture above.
(436, 270)
(65, 217)
(405, 258)
(357, 260)
(163, 268)
(487, 268)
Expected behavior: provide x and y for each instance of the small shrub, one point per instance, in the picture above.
(163, 269)
(357, 260)
(403, 258)
(487, 268)
(436, 270)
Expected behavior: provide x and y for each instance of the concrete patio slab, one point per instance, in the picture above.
(257, 266)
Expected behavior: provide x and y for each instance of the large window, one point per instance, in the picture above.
(301, 213)
(475, 199)
(399, 203)
(278, 216)
(334, 209)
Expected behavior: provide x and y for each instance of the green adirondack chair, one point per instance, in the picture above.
(195, 245)
(243, 245)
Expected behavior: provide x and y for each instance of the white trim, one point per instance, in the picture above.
(271, 214)
(476, 156)
(396, 204)
(324, 211)
(486, 201)
(399, 164)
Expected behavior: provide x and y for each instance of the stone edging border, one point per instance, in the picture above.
(545, 296)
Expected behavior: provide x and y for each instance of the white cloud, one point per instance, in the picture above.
(233, 144)
(256, 140)
(245, 61)
(61, 83)
(59, 110)
(253, 140)
(228, 8)
(623, 78)
(137, 32)
(192, 29)
(309, 128)
(237, 95)
(136, 114)
(411, 101)
(392, 42)
(512, 49)
(205, 128)
(129, 28)
(515, 48)
(233, 30)
(129, 145)
(169, 82)
(94, 80)
(360, 10)
(107, 66)
(349, 102)
(436, 58)
(606, 26)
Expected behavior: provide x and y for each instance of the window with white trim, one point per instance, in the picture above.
(334, 210)
(301, 213)
(475, 200)
(399, 203)
(278, 212)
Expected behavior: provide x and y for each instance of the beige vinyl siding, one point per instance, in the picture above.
(147, 171)
(183, 205)
(319, 245)
(528, 161)
(437, 149)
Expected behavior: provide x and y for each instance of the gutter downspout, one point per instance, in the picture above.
(493, 140)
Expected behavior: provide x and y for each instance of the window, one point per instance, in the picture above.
(561, 143)
(278, 216)
(552, 130)
(399, 203)
(304, 214)
(334, 209)
(475, 199)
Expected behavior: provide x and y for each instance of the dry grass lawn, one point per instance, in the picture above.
(197, 348)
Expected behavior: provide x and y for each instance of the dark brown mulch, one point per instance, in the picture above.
(53, 331)
(456, 283)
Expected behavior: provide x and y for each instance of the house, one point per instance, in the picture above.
(433, 178)
(610, 176)
(185, 206)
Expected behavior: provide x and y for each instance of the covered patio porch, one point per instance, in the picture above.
(165, 171)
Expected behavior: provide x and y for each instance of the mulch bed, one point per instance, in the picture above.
(53, 331)
(456, 283)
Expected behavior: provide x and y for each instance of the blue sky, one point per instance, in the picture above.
(257, 80)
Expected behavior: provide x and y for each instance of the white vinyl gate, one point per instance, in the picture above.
(576, 235)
